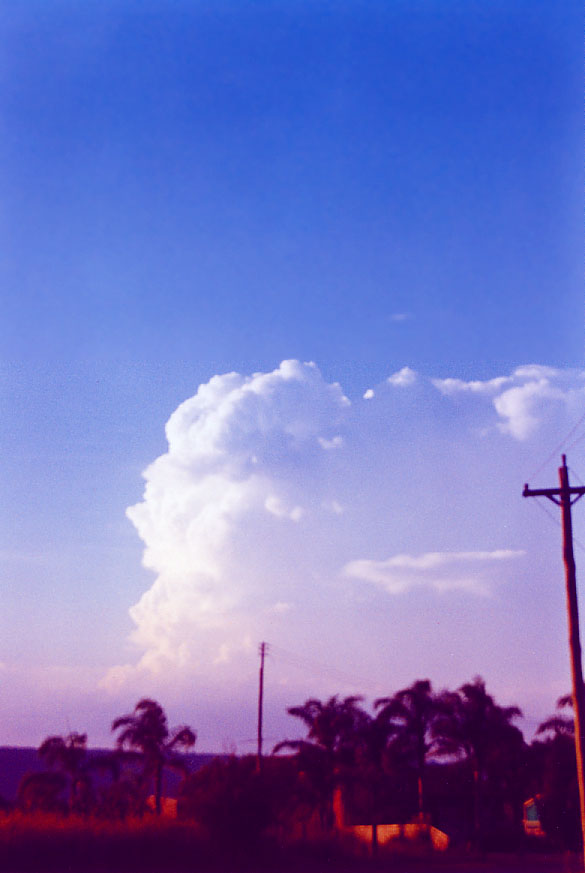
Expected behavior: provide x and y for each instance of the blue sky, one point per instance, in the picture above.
(191, 189)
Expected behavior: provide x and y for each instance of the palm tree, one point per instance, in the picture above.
(410, 716)
(475, 727)
(69, 755)
(145, 731)
(373, 766)
(559, 724)
(555, 777)
(332, 728)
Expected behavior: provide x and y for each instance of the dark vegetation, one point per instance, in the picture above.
(455, 760)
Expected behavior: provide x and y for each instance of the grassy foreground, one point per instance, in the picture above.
(41, 842)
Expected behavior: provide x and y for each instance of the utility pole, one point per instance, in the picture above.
(262, 650)
(565, 496)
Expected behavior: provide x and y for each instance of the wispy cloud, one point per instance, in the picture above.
(441, 571)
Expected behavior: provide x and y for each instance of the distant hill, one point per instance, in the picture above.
(16, 761)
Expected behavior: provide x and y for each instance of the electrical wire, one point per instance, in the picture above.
(560, 446)
(576, 442)
(323, 670)
(576, 475)
(554, 519)
(253, 741)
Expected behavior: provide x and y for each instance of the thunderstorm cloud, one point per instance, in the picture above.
(282, 510)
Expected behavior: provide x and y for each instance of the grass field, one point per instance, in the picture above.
(50, 844)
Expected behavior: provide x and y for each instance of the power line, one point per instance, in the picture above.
(324, 670)
(576, 441)
(557, 449)
(253, 740)
(574, 472)
(555, 520)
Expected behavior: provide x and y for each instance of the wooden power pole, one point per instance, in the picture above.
(564, 496)
(263, 648)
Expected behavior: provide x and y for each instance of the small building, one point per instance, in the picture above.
(531, 818)
(168, 806)
(418, 831)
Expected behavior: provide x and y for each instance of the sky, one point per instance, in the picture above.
(292, 309)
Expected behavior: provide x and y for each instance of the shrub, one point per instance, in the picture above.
(234, 802)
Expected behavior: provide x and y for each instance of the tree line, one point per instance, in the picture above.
(453, 758)
(145, 745)
(456, 759)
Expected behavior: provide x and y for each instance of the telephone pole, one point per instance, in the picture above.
(262, 652)
(565, 496)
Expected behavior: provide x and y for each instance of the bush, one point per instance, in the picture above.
(227, 798)
(235, 802)
(45, 842)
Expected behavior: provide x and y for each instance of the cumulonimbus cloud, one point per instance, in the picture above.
(273, 483)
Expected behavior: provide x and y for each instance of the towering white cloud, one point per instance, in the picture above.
(282, 511)
(240, 454)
